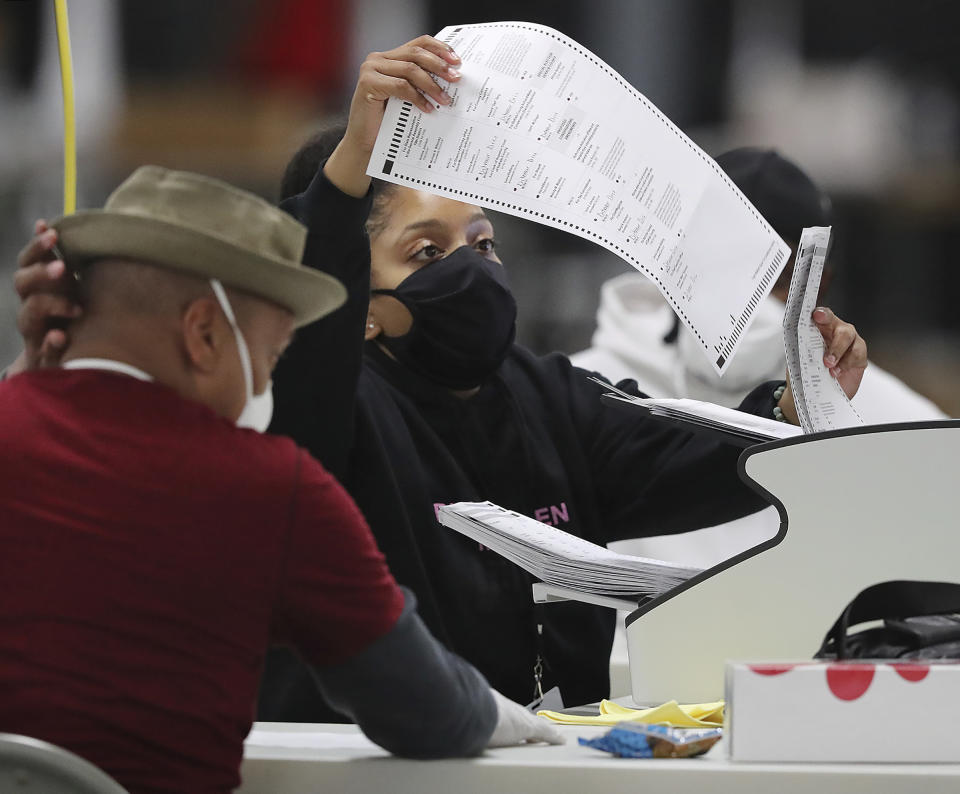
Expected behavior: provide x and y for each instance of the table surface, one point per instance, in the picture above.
(305, 758)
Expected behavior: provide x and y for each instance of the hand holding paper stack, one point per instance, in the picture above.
(820, 401)
(736, 426)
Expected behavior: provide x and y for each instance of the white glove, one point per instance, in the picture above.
(516, 725)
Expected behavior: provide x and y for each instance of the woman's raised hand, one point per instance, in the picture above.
(406, 73)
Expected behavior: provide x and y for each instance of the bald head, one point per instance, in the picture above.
(171, 325)
(114, 289)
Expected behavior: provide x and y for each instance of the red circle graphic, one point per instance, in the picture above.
(912, 672)
(771, 669)
(849, 681)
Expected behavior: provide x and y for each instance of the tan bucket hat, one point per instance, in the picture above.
(207, 228)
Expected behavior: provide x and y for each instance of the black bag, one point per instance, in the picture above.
(919, 622)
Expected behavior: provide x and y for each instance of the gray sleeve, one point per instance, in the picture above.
(411, 695)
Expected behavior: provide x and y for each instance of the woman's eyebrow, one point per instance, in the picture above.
(479, 216)
(436, 223)
(433, 223)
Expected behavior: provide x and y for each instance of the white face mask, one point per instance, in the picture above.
(258, 409)
(759, 358)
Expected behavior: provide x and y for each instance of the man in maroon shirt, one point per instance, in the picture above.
(152, 547)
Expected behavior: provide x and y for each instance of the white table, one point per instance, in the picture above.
(336, 758)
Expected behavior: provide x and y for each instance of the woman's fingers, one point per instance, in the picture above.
(408, 72)
(419, 78)
(855, 357)
(841, 341)
(416, 63)
(843, 346)
(434, 46)
(845, 351)
(383, 85)
(426, 59)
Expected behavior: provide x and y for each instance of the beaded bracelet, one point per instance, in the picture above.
(777, 394)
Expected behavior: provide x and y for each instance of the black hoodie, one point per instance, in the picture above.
(536, 438)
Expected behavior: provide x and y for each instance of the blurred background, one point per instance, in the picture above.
(863, 94)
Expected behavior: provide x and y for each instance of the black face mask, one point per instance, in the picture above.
(464, 319)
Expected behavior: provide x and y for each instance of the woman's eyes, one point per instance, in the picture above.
(427, 253)
(431, 252)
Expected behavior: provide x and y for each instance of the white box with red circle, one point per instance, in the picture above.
(852, 711)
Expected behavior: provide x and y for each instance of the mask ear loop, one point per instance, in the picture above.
(245, 365)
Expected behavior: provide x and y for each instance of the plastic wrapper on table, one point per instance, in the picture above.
(635, 740)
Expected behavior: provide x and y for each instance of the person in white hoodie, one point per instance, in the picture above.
(638, 335)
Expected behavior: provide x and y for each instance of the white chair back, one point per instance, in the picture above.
(30, 765)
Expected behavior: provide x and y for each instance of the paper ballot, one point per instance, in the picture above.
(541, 128)
(736, 426)
(559, 558)
(709, 416)
(820, 400)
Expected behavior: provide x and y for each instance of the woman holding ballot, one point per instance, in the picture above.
(415, 395)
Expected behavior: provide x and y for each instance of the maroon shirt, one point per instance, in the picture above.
(149, 552)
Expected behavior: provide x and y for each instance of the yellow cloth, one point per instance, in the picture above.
(695, 715)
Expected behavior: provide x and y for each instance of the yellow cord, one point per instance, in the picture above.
(69, 116)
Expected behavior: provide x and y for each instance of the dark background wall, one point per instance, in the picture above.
(864, 95)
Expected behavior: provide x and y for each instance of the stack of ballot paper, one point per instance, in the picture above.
(559, 558)
(737, 426)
